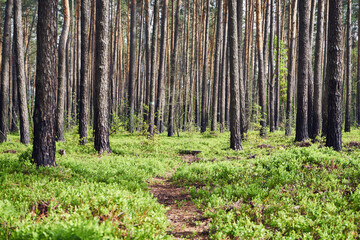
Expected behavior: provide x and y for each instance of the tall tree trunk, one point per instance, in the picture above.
(358, 79)
(60, 110)
(223, 74)
(348, 70)
(310, 71)
(173, 72)
(44, 114)
(204, 114)
(278, 59)
(132, 66)
(334, 75)
(20, 70)
(325, 102)
(235, 135)
(147, 58)
(291, 68)
(302, 132)
(101, 91)
(161, 76)
(261, 77)
(5, 77)
(153, 69)
(318, 70)
(84, 74)
(218, 51)
(271, 69)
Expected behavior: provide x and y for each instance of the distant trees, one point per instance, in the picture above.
(115, 74)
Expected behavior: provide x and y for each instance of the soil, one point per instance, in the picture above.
(186, 220)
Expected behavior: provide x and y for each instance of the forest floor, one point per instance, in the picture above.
(191, 186)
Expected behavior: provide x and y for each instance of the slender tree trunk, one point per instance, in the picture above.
(101, 91)
(291, 68)
(348, 70)
(132, 66)
(204, 114)
(318, 70)
(334, 75)
(261, 77)
(153, 69)
(235, 135)
(218, 51)
(358, 79)
(223, 74)
(271, 69)
(325, 102)
(5, 77)
(60, 110)
(20, 70)
(173, 72)
(44, 114)
(161, 76)
(84, 74)
(302, 132)
(147, 58)
(278, 59)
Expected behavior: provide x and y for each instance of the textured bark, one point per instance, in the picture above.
(20, 70)
(147, 58)
(318, 71)
(291, 69)
(5, 77)
(153, 69)
(235, 134)
(302, 133)
(325, 98)
(132, 66)
(271, 70)
(223, 75)
(60, 110)
(334, 75)
(161, 76)
(84, 72)
(261, 74)
(44, 113)
(204, 114)
(218, 51)
(173, 72)
(348, 70)
(101, 94)
(310, 71)
(278, 58)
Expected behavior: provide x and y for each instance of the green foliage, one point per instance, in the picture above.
(273, 189)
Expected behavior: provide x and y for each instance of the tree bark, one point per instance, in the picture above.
(348, 70)
(334, 75)
(5, 77)
(101, 94)
(161, 76)
(44, 113)
(291, 69)
(235, 133)
(20, 66)
(261, 77)
(132, 66)
(218, 51)
(318, 71)
(153, 69)
(278, 58)
(173, 72)
(84, 72)
(302, 132)
(271, 69)
(60, 110)
(204, 114)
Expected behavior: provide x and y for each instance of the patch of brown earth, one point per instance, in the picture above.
(10, 151)
(186, 221)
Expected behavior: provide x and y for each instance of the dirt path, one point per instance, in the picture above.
(186, 221)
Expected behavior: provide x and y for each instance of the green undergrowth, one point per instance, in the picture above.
(274, 188)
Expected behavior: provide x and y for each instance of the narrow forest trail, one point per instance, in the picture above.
(186, 221)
